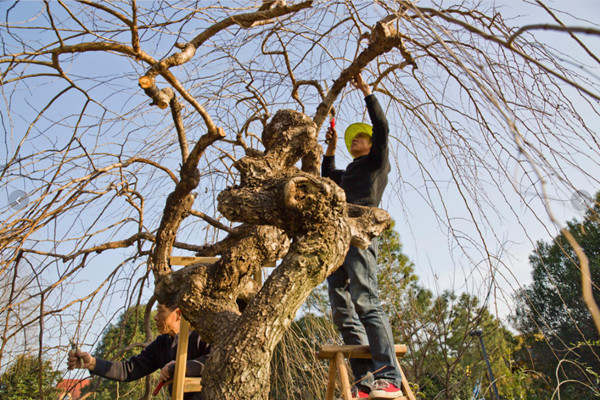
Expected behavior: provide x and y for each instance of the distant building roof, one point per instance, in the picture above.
(72, 387)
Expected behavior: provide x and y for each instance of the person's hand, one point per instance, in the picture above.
(166, 372)
(80, 360)
(361, 85)
(331, 140)
(331, 137)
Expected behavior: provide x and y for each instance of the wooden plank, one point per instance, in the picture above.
(354, 351)
(343, 374)
(331, 380)
(192, 385)
(181, 360)
(174, 260)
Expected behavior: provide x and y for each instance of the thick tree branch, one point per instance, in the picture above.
(383, 38)
(179, 203)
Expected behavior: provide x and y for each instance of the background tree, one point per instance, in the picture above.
(119, 341)
(443, 360)
(20, 379)
(559, 335)
(102, 172)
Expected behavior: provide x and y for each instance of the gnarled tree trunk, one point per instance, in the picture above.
(286, 213)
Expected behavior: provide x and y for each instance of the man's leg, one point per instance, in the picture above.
(346, 320)
(362, 273)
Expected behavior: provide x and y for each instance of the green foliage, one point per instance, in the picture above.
(444, 361)
(559, 336)
(21, 380)
(119, 342)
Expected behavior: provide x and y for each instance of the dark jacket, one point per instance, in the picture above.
(365, 178)
(154, 356)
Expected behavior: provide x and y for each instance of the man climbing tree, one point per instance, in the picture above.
(353, 292)
(160, 354)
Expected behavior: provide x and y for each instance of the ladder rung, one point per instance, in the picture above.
(192, 385)
(354, 351)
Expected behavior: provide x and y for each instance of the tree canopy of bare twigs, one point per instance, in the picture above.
(137, 130)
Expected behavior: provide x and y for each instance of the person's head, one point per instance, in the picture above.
(358, 139)
(361, 145)
(167, 318)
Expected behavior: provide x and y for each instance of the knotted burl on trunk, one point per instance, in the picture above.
(288, 214)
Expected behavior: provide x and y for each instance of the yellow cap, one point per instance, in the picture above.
(354, 129)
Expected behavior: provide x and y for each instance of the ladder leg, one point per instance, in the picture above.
(405, 386)
(331, 379)
(180, 360)
(343, 373)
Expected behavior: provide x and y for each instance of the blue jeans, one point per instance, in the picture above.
(358, 314)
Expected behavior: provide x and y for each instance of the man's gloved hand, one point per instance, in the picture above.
(166, 372)
(361, 85)
(331, 140)
(80, 360)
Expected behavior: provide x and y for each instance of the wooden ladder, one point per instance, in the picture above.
(337, 368)
(181, 383)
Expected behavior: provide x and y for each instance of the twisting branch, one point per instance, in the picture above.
(178, 121)
(179, 203)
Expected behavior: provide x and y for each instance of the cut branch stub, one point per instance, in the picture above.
(146, 82)
(366, 223)
(160, 98)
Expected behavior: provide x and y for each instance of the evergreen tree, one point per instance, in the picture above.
(560, 339)
(21, 380)
(443, 360)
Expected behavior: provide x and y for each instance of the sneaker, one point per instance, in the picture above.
(383, 390)
(359, 393)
